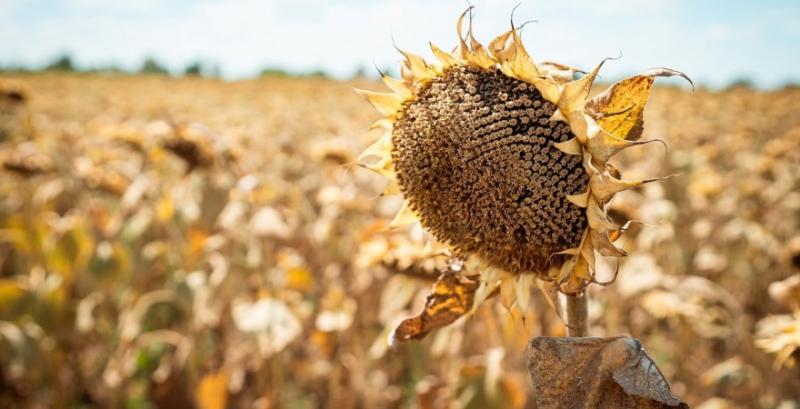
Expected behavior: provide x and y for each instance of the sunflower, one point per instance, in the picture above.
(504, 160)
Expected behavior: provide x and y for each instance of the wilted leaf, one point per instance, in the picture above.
(451, 298)
(620, 108)
(596, 373)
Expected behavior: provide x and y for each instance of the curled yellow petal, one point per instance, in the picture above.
(501, 48)
(603, 188)
(581, 270)
(558, 116)
(522, 288)
(557, 71)
(598, 220)
(602, 243)
(582, 125)
(550, 90)
(507, 291)
(605, 145)
(569, 252)
(384, 123)
(574, 93)
(383, 167)
(386, 103)
(435, 248)
(414, 68)
(579, 200)
(479, 56)
(393, 188)
(570, 146)
(463, 49)
(522, 64)
(446, 59)
(474, 53)
(398, 86)
(490, 280)
(587, 253)
(404, 217)
(381, 148)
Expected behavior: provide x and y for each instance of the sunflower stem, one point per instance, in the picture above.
(577, 315)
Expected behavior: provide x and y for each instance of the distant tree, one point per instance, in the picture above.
(274, 72)
(194, 69)
(105, 69)
(317, 73)
(16, 68)
(61, 63)
(360, 72)
(744, 83)
(280, 72)
(151, 66)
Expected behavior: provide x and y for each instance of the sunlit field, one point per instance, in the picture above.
(189, 242)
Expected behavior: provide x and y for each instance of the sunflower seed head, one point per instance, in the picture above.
(474, 156)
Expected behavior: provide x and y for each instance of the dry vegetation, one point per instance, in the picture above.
(178, 242)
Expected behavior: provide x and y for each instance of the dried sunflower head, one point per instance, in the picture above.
(505, 159)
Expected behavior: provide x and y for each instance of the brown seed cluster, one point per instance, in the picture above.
(474, 157)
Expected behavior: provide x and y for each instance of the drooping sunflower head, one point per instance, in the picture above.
(474, 153)
(505, 159)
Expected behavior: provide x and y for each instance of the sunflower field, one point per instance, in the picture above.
(195, 243)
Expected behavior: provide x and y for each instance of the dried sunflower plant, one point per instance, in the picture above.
(505, 163)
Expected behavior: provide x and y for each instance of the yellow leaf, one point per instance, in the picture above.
(212, 391)
(620, 108)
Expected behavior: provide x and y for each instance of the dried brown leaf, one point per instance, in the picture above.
(451, 297)
(596, 373)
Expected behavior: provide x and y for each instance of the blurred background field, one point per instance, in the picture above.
(191, 242)
(183, 223)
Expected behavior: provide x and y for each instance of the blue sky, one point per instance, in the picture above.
(714, 42)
